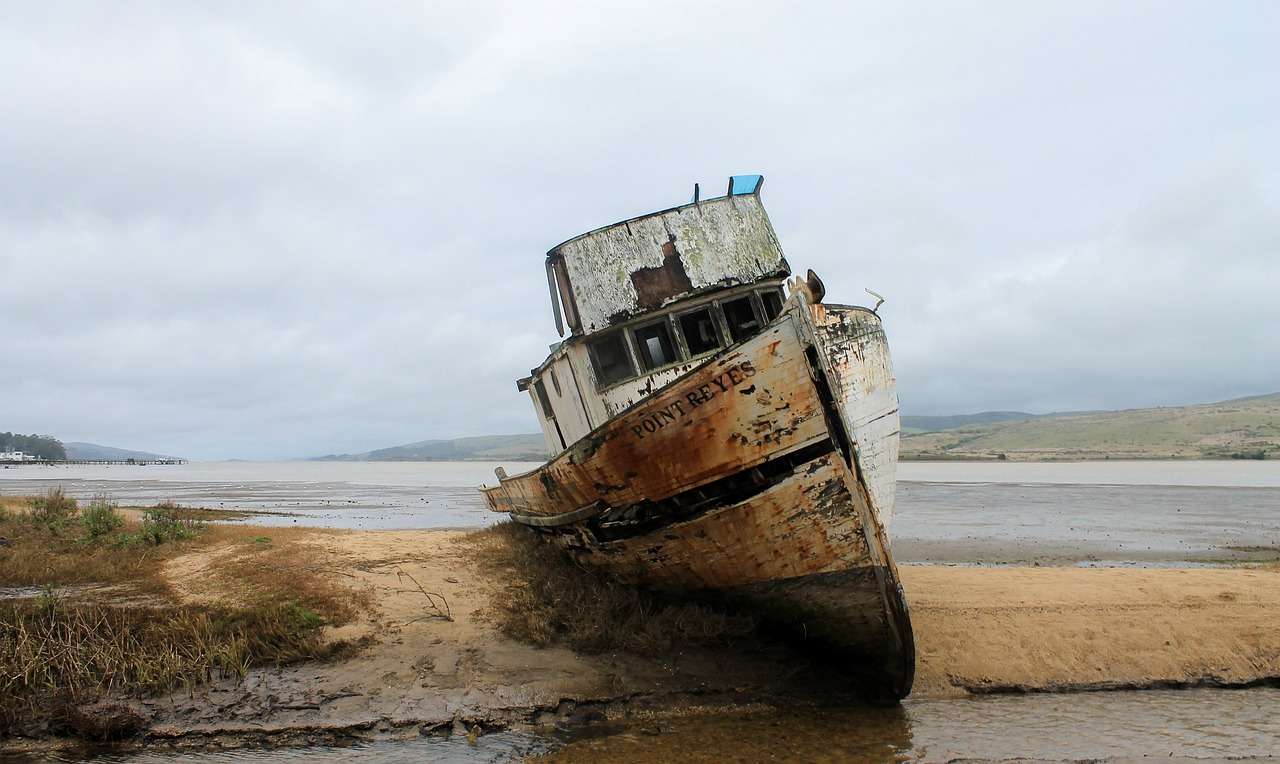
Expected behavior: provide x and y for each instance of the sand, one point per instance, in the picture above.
(977, 630)
(983, 629)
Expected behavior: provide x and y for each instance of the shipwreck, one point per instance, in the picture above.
(719, 430)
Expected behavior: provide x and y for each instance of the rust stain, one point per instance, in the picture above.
(763, 537)
(654, 286)
(654, 440)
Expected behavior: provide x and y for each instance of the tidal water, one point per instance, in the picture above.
(1120, 513)
(1110, 513)
(1158, 725)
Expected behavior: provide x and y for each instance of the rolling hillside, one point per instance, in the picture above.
(1246, 428)
(481, 448)
(912, 424)
(94, 451)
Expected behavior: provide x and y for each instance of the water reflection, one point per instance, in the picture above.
(808, 735)
(1184, 724)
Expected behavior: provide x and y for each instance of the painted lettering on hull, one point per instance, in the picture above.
(690, 399)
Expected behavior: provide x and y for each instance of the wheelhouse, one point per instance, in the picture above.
(648, 299)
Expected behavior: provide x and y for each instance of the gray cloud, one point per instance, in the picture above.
(273, 230)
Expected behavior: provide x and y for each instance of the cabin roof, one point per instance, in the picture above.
(612, 274)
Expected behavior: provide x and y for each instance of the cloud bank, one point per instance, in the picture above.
(245, 230)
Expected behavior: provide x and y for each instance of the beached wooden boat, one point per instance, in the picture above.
(719, 431)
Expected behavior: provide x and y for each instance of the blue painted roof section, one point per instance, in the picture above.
(744, 184)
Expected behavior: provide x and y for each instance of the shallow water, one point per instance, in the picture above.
(1115, 513)
(1182, 725)
(366, 495)
(1195, 724)
(1019, 522)
(1226, 473)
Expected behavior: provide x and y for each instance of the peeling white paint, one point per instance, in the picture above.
(720, 242)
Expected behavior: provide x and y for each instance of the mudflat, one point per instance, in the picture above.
(435, 659)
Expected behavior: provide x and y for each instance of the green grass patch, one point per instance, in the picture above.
(99, 518)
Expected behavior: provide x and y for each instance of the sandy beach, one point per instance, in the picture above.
(435, 660)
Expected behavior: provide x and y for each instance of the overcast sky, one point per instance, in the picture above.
(280, 229)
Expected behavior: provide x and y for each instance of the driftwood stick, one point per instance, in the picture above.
(441, 610)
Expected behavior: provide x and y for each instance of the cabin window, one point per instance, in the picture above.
(741, 318)
(540, 390)
(699, 330)
(656, 347)
(772, 302)
(610, 357)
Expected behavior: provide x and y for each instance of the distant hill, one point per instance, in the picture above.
(513, 448)
(1245, 428)
(914, 424)
(94, 451)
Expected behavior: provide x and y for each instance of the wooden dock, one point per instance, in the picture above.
(78, 462)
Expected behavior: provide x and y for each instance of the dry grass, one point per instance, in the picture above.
(550, 600)
(81, 637)
(280, 566)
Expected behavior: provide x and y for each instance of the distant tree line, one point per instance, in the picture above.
(40, 446)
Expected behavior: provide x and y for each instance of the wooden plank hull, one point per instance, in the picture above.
(741, 481)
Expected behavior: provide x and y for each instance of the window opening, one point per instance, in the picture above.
(612, 362)
(741, 318)
(772, 302)
(656, 347)
(540, 389)
(699, 331)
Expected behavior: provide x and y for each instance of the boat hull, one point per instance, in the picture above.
(742, 481)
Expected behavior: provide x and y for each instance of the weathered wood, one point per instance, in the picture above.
(619, 272)
(794, 528)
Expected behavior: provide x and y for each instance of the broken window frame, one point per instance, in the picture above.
(757, 313)
(763, 295)
(710, 309)
(643, 354)
(628, 356)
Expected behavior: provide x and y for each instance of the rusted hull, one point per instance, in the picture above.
(798, 554)
(741, 480)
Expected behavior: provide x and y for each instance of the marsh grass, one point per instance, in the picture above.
(35, 557)
(550, 600)
(99, 518)
(124, 632)
(54, 511)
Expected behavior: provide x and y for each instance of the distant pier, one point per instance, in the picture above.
(76, 462)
